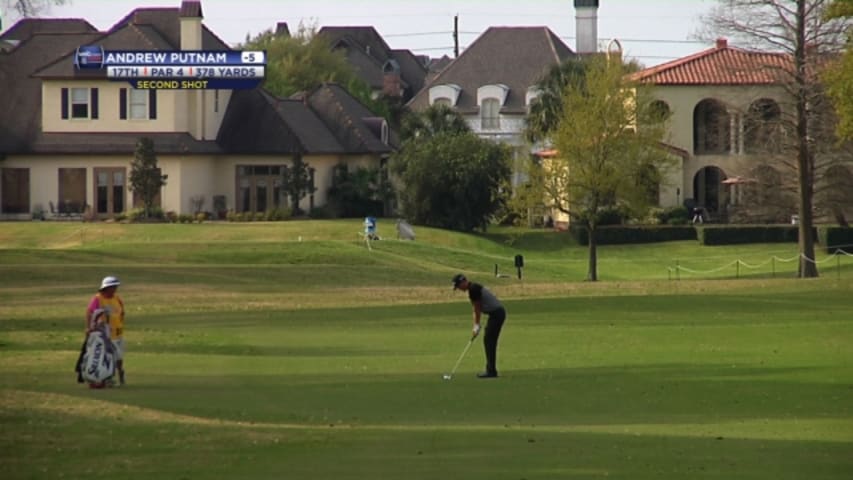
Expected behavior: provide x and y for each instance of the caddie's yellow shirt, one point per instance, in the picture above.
(115, 313)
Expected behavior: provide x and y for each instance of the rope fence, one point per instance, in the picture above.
(841, 251)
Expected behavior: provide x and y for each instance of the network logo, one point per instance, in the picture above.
(89, 56)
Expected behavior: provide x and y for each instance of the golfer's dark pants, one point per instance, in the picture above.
(490, 339)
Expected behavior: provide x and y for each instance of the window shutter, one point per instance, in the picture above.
(152, 104)
(94, 97)
(65, 104)
(122, 103)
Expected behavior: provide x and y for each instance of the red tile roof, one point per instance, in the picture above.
(721, 65)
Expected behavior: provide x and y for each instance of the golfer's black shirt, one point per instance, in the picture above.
(488, 301)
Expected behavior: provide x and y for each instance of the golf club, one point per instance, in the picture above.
(448, 376)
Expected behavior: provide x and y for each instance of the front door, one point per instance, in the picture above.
(110, 191)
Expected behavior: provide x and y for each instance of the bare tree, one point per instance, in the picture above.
(800, 30)
(15, 9)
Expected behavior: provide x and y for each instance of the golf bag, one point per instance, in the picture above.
(97, 363)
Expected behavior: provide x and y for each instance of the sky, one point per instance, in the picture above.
(652, 31)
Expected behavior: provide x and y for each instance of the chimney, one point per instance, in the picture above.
(392, 84)
(191, 25)
(722, 43)
(586, 26)
(282, 30)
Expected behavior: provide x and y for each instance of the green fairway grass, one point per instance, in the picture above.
(253, 353)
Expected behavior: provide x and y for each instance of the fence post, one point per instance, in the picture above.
(838, 265)
(677, 271)
(737, 268)
(773, 265)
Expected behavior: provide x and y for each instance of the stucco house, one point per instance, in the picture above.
(493, 82)
(729, 109)
(67, 138)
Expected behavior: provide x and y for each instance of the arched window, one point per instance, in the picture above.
(490, 114)
(711, 128)
(762, 127)
(442, 101)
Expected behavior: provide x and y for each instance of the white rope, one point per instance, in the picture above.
(754, 266)
(688, 270)
(786, 260)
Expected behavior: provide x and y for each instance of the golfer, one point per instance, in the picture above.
(484, 301)
(108, 300)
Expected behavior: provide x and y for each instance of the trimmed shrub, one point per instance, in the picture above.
(617, 235)
(737, 234)
(836, 239)
(674, 216)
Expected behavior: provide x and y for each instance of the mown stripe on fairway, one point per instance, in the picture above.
(781, 429)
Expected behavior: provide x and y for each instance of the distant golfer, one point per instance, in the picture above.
(108, 300)
(484, 301)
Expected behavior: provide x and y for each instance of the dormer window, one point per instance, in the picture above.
(448, 91)
(391, 66)
(531, 95)
(498, 91)
(491, 98)
(490, 114)
(384, 132)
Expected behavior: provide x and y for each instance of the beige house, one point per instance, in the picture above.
(67, 137)
(729, 116)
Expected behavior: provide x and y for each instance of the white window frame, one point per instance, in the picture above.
(84, 99)
(493, 121)
(137, 113)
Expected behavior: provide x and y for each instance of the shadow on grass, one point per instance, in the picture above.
(660, 394)
(51, 444)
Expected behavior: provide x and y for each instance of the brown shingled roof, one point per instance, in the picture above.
(347, 118)
(721, 65)
(167, 21)
(20, 116)
(27, 27)
(368, 53)
(514, 56)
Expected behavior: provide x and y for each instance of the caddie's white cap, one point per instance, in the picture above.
(109, 282)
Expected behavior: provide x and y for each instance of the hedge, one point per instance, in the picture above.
(735, 234)
(620, 234)
(836, 239)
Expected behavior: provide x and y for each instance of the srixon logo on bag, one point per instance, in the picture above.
(96, 358)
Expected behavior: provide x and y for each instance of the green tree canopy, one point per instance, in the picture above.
(839, 76)
(451, 178)
(303, 61)
(296, 182)
(434, 120)
(145, 177)
(609, 155)
(546, 109)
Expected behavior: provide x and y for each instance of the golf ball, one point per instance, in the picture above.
(447, 377)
